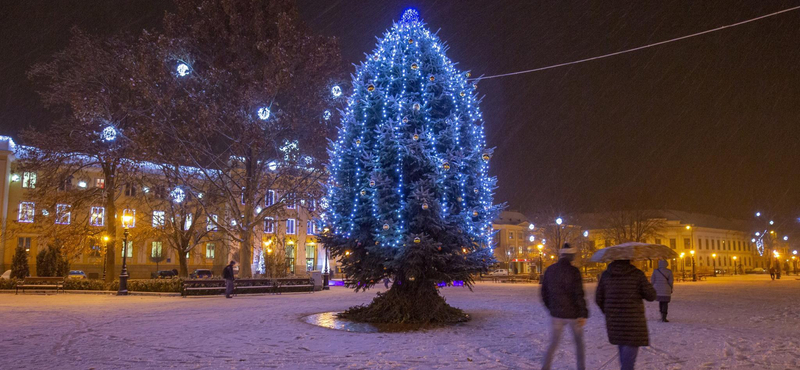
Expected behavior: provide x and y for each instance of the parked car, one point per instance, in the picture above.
(498, 272)
(757, 270)
(164, 274)
(6, 275)
(201, 274)
(76, 274)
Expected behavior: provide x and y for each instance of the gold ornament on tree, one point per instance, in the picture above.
(417, 240)
(415, 137)
(416, 106)
(414, 66)
(385, 226)
(425, 206)
(371, 87)
(486, 157)
(446, 166)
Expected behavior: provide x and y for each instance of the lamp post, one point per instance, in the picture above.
(694, 273)
(734, 265)
(777, 264)
(123, 276)
(714, 259)
(794, 261)
(541, 257)
(683, 266)
(326, 273)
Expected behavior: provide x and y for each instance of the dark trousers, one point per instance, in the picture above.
(663, 307)
(228, 287)
(627, 357)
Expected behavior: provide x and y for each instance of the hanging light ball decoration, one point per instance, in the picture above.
(375, 57)
(463, 94)
(109, 133)
(336, 91)
(415, 137)
(414, 66)
(177, 195)
(432, 78)
(183, 70)
(474, 213)
(417, 240)
(405, 119)
(363, 193)
(486, 157)
(372, 184)
(468, 74)
(358, 141)
(410, 41)
(425, 206)
(371, 88)
(385, 227)
(263, 113)
(475, 190)
(326, 115)
(446, 166)
(416, 106)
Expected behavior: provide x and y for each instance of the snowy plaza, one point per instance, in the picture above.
(724, 323)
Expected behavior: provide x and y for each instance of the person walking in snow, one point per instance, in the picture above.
(662, 281)
(227, 274)
(562, 294)
(620, 292)
(386, 282)
(772, 272)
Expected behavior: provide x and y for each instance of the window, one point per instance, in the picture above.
(29, 180)
(290, 226)
(210, 250)
(311, 251)
(187, 223)
(718, 246)
(130, 190)
(243, 195)
(269, 225)
(658, 241)
(66, 185)
(155, 250)
(127, 250)
(291, 201)
(511, 235)
(687, 243)
(311, 227)
(290, 257)
(98, 216)
(700, 244)
(25, 243)
(132, 213)
(708, 261)
(100, 183)
(269, 199)
(63, 214)
(26, 212)
(312, 205)
(212, 223)
(158, 218)
(673, 243)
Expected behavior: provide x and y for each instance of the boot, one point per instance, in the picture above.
(664, 317)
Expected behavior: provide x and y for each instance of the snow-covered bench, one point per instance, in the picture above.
(202, 285)
(41, 283)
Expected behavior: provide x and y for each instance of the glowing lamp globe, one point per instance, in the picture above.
(263, 113)
(183, 69)
(336, 91)
(109, 133)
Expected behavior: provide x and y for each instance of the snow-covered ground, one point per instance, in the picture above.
(723, 323)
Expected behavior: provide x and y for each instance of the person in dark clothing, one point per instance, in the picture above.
(772, 273)
(619, 295)
(562, 294)
(227, 274)
(663, 283)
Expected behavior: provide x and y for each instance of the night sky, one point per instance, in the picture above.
(708, 124)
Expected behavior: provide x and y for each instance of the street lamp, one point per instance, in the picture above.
(734, 264)
(694, 273)
(541, 256)
(127, 221)
(714, 259)
(683, 266)
(777, 264)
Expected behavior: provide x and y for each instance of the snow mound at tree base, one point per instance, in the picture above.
(416, 306)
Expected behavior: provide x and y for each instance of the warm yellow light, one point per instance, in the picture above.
(267, 243)
(105, 238)
(772, 232)
(347, 253)
(682, 254)
(688, 227)
(464, 250)
(269, 250)
(734, 258)
(552, 257)
(539, 247)
(713, 255)
(692, 252)
(290, 242)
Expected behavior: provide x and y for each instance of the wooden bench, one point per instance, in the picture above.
(202, 285)
(294, 284)
(41, 283)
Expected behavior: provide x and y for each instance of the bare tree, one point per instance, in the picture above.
(88, 84)
(637, 225)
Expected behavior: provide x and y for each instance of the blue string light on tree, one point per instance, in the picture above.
(109, 133)
(409, 169)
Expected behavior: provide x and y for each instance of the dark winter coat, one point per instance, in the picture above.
(227, 272)
(619, 295)
(562, 291)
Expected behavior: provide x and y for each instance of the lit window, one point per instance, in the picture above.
(26, 212)
(132, 213)
(29, 180)
(243, 196)
(158, 218)
(270, 198)
(155, 250)
(98, 216)
(187, 224)
(290, 226)
(24, 243)
(63, 214)
(100, 183)
(127, 250)
(511, 235)
(210, 250)
(311, 227)
(269, 225)
(212, 223)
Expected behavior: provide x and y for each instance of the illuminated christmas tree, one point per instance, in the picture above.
(409, 196)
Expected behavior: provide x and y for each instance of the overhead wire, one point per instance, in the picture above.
(636, 48)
